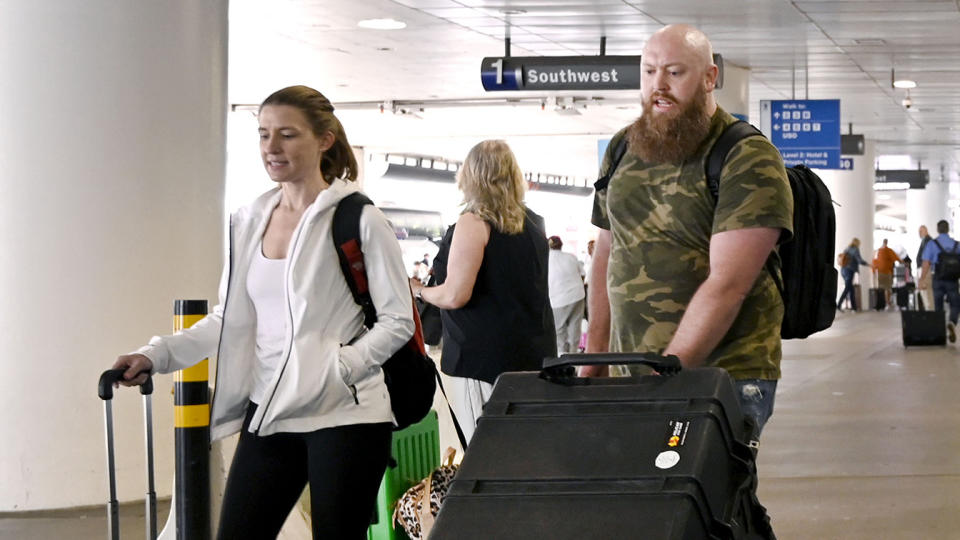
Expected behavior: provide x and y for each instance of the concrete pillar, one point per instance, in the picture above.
(111, 206)
(734, 97)
(926, 207)
(853, 192)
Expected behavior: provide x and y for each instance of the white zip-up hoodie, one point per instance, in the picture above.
(327, 376)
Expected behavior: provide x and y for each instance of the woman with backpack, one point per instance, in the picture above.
(850, 263)
(298, 373)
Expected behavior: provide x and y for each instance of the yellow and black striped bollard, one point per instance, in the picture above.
(192, 434)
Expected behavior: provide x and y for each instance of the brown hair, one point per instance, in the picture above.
(493, 186)
(338, 161)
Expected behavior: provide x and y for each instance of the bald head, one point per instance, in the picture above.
(686, 37)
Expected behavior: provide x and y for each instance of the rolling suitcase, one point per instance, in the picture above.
(923, 328)
(105, 391)
(903, 296)
(877, 300)
(654, 457)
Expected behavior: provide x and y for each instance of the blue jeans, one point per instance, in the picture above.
(949, 289)
(756, 400)
(848, 288)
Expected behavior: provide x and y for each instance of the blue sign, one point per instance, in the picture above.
(806, 131)
(602, 145)
(846, 164)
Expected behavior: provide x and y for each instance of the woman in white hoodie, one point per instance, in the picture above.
(297, 372)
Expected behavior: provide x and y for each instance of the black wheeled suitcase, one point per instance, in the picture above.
(903, 296)
(105, 391)
(923, 328)
(878, 301)
(561, 457)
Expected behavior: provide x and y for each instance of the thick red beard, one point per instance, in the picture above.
(670, 137)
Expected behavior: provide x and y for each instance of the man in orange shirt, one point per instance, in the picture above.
(883, 263)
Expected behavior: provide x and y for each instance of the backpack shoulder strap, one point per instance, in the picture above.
(938, 244)
(346, 238)
(731, 135)
(619, 150)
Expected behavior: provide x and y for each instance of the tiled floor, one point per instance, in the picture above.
(864, 444)
(80, 524)
(865, 440)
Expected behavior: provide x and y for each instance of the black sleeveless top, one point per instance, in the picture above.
(507, 325)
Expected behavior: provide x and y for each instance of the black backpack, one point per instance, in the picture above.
(410, 374)
(809, 284)
(948, 263)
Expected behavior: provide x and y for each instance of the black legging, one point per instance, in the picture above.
(344, 465)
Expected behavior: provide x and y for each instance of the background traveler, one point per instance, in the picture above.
(850, 264)
(298, 374)
(684, 273)
(493, 299)
(943, 287)
(925, 287)
(566, 296)
(883, 264)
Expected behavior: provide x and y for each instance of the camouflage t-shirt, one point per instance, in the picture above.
(661, 218)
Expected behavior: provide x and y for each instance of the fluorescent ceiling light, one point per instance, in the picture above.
(890, 186)
(382, 24)
(884, 197)
(904, 83)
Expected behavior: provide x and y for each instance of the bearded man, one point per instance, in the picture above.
(684, 273)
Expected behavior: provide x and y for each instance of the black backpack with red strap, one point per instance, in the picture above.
(410, 374)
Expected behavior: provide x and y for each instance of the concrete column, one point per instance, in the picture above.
(111, 206)
(853, 192)
(926, 207)
(734, 97)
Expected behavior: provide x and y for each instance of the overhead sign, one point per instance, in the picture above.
(806, 131)
(506, 73)
(560, 73)
(846, 164)
(916, 178)
(852, 145)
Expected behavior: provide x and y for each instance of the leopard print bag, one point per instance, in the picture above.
(410, 514)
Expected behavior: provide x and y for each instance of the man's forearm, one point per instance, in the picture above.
(598, 302)
(706, 320)
(925, 271)
(598, 305)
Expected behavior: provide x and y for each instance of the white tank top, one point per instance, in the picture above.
(265, 287)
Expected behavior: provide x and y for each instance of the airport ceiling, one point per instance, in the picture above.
(793, 49)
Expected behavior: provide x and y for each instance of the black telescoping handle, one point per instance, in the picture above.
(561, 369)
(111, 376)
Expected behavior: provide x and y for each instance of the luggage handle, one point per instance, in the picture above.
(561, 369)
(105, 390)
(111, 376)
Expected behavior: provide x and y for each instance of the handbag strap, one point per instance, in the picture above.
(456, 425)
(424, 512)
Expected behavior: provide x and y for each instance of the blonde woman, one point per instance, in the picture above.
(851, 261)
(493, 299)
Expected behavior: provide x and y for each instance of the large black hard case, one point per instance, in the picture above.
(654, 457)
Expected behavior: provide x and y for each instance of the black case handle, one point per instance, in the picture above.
(111, 376)
(561, 369)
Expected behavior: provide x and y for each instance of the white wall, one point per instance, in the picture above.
(853, 192)
(111, 207)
